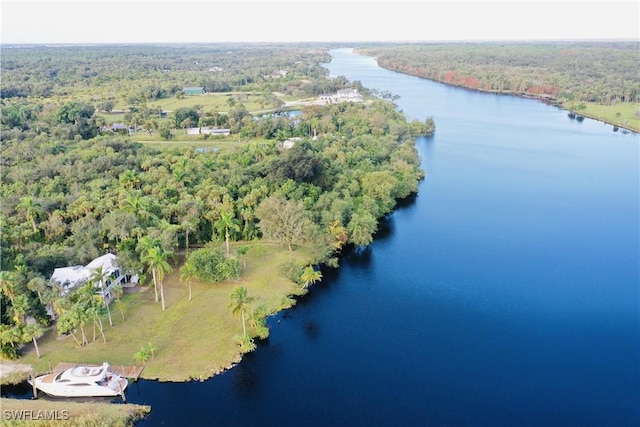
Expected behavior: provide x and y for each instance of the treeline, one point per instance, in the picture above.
(149, 72)
(58, 91)
(599, 72)
(65, 202)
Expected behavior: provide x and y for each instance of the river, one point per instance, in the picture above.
(504, 294)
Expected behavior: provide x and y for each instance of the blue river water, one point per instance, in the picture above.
(506, 293)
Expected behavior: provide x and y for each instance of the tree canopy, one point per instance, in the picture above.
(72, 191)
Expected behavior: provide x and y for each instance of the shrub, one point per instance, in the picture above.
(213, 266)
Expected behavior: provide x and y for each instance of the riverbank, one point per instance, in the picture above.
(602, 113)
(194, 339)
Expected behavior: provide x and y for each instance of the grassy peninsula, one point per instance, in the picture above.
(191, 339)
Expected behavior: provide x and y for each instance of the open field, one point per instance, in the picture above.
(181, 140)
(622, 114)
(194, 339)
(210, 101)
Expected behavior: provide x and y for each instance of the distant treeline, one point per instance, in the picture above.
(601, 72)
(148, 72)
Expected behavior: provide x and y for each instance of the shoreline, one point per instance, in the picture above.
(214, 347)
(543, 98)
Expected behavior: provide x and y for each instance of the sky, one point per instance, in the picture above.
(151, 21)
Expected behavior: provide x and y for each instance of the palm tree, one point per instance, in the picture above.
(309, 276)
(180, 177)
(129, 179)
(10, 338)
(8, 284)
(145, 244)
(90, 306)
(31, 208)
(227, 222)
(117, 292)
(258, 321)
(32, 332)
(240, 301)
(38, 284)
(187, 272)
(98, 275)
(19, 309)
(157, 259)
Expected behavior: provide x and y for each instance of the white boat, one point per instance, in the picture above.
(82, 381)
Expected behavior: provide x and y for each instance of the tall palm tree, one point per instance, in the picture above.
(240, 302)
(38, 284)
(187, 272)
(32, 209)
(8, 284)
(117, 292)
(310, 276)
(157, 260)
(145, 244)
(90, 306)
(32, 332)
(227, 222)
(99, 275)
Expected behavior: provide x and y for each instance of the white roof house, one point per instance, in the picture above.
(70, 277)
(343, 95)
(107, 262)
(77, 275)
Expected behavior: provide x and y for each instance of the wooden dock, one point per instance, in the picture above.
(130, 372)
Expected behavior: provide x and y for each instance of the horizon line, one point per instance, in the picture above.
(514, 40)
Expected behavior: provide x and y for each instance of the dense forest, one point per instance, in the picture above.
(72, 190)
(568, 73)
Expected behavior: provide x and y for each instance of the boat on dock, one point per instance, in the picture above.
(82, 381)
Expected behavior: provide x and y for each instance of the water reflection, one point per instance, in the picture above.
(245, 378)
(311, 329)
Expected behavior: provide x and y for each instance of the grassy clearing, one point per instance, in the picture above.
(220, 143)
(194, 339)
(209, 101)
(69, 414)
(622, 114)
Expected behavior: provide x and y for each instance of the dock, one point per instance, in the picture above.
(130, 372)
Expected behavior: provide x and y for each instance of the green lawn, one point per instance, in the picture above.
(194, 339)
(209, 101)
(181, 140)
(623, 114)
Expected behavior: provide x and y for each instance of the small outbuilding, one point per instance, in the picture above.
(197, 90)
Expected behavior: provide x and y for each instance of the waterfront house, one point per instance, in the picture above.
(343, 95)
(74, 276)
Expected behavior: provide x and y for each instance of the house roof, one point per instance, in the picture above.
(70, 275)
(347, 92)
(107, 262)
(78, 274)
